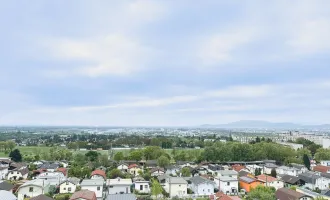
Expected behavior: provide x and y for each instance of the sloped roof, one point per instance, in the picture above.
(288, 194)
(220, 196)
(41, 197)
(4, 185)
(5, 195)
(320, 168)
(132, 166)
(309, 177)
(157, 169)
(100, 173)
(290, 179)
(63, 170)
(266, 178)
(84, 194)
(196, 180)
(121, 197)
(247, 179)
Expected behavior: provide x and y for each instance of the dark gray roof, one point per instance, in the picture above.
(243, 173)
(49, 166)
(172, 167)
(298, 166)
(4, 185)
(121, 197)
(290, 179)
(271, 165)
(309, 177)
(196, 180)
(326, 193)
(247, 179)
(151, 162)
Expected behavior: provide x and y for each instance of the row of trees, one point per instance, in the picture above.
(7, 146)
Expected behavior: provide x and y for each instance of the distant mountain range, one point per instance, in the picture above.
(265, 124)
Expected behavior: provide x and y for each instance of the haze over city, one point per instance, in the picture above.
(164, 63)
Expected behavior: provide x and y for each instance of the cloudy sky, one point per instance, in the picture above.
(164, 62)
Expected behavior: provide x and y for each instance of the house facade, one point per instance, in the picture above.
(176, 187)
(68, 186)
(94, 185)
(119, 186)
(201, 186)
(288, 171)
(134, 169)
(248, 183)
(227, 185)
(3, 172)
(18, 174)
(32, 188)
(123, 167)
(270, 181)
(313, 180)
(142, 186)
(157, 172)
(325, 162)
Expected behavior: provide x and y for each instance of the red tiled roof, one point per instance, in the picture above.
(238, 168)
(266, 178)
(83, 194)
(220, 196)
(100, 173)
(320, 168)
(132, 166)
(63, 170)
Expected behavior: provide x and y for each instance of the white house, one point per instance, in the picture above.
(288, 171)
(119, 186)
(269, 167)
(176, 186)
(95, 185)
(18, 174)
(98, 174)
(32, 188)
(54, 178)
(157, 171)
(270, 181)
(228, 185)
(142, 186)
(172, 170)
(325, 162)
(252, 168)
(123, 167)
(134, 169)
(69, 186)
(313, 180)
(3, 172)
(201, 186)
(228, 173)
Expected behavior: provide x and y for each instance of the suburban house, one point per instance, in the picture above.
(54, 178)
(98, 174)
(288, 171)
(199, 170)
(18, 174)
(172, 170)
(248, 183)
(291, 181)
(94, 185)
(228, 173)
(69, 185)
(151, 164)
(311, 193)
(215, 168)
(123, 167)
(3, 172)
(84, 195)
(313, 180)
(32, 188)
(7, 195)
(269, 167)
(270, 181)
(121, 197)
(325, 162)
(227, 185)
(176, 186)
(141, 185)
(157, 171)
(134, 169)
(301, 168)
(50, 167)
(119, 186)
(4, 185)
(237, 167)
(321, 168)
(288, 194)
(201, 186)
(253, 168)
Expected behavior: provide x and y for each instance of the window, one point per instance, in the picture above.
(141, 187)
(179, 185)
(67, 183)
(111, 186)
(98, 188)
(69, 189)
(12, 172)
(146, 186)
(31, 189)
(64, 188)
(228, 183)
(208, 190)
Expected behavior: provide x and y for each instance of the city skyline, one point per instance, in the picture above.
(164, 63)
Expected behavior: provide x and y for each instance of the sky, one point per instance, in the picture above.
(164, 62)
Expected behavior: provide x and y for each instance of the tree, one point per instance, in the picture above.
(115, 173)
(163, 161)
(261, 192)
(11, 145)
(258, 140)
(16, 155)
(156, 188)
(135, 155)
(307, 162)
(257, 172)
(92, 156)
(119, 156)
(185, 172)
(273, 173)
